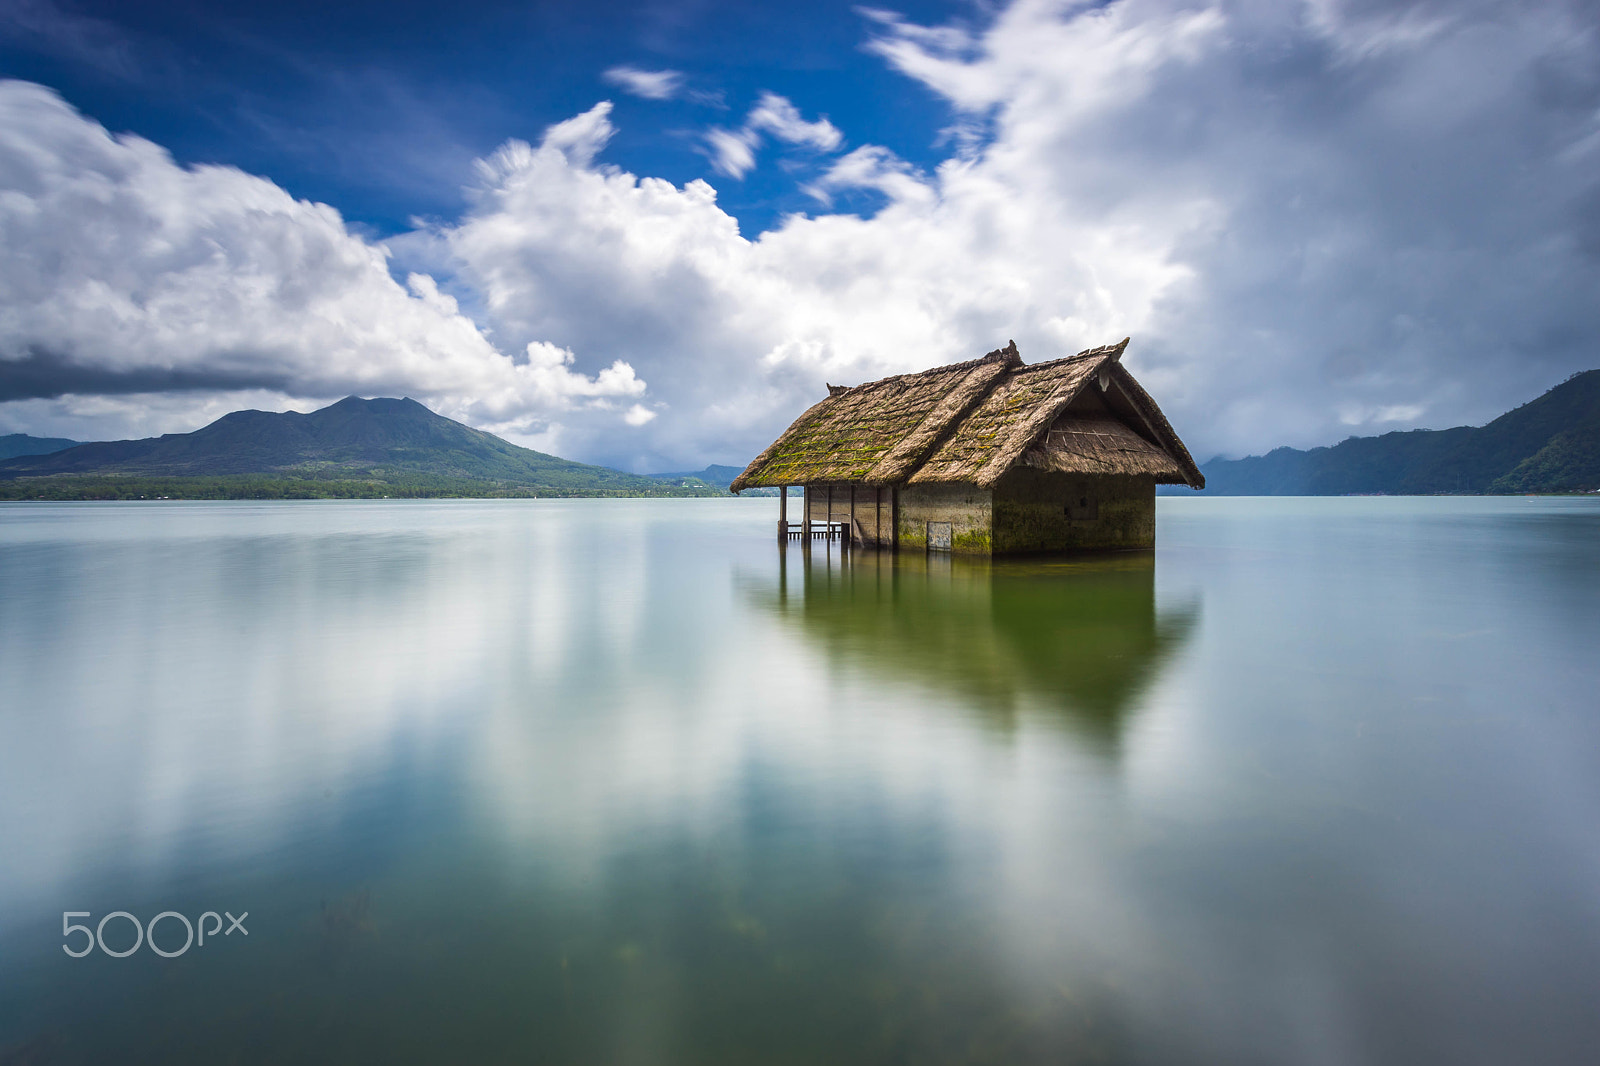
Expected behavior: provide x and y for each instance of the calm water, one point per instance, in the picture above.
(599, 782)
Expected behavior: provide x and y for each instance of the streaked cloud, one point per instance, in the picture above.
(873, 167)
(103, 46)
(733, 152)
(775, 115)
(648, 84)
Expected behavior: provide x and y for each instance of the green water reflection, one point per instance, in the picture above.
(1079, 636)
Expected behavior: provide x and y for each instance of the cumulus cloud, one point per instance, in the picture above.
(649, 84)
(1374, 206)
(1314, 219)
(736, 335)
(127, 274)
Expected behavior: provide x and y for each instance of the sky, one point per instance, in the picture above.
(649, 233)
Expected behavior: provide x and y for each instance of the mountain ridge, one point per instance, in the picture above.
(1549, 444)
(353, 447)
(15, 444)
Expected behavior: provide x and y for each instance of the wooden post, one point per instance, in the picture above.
(850, 530)
(827, 530)
(805, 521)
(894, 517)
(783, 571)
(783, 512)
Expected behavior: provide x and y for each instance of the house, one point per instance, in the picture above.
(991, 456)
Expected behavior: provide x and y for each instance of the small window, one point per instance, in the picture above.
(939, 536)
(1082, 508)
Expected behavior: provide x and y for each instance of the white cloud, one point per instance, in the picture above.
(1300, 214)
(737, 335)
(1360, 34)
(130, 416)
(1304, 215)
(127, 274)
(579, 138)
(1358, 415)
(775, 115)
(733, 152)
(649, 84)
(874, 167)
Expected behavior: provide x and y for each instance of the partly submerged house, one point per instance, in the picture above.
(987, 456)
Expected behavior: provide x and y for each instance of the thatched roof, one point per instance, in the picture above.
(972, 422)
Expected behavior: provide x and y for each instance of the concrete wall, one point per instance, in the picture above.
(1041, 511)
(966, 507)
(1028, 511)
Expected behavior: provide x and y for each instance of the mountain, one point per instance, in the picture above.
(719, 476)
(14, 444)
(354, 447)
(1551, 444)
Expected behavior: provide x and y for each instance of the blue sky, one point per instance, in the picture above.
(381, 108)
(647, 234)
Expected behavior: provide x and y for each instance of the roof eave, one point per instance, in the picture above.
(1169, 439)
(752, 476)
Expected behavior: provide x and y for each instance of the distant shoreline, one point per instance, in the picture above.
(258, 490)
(247, 487)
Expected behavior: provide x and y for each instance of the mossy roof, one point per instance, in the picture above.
(973, 421)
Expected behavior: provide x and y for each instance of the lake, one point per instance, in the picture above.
(624, 781)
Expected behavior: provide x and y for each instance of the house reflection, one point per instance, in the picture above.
(1077, 638)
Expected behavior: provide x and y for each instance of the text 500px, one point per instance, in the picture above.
(97, 936)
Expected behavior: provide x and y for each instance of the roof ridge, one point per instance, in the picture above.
(912, 450)
(1008, 355)
(1114, 350)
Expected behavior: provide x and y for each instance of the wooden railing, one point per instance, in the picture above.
(839, 531)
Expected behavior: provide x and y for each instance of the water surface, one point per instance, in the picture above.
(624, 782)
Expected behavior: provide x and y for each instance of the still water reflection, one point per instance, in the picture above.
(619, 781)
(1077, 639)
